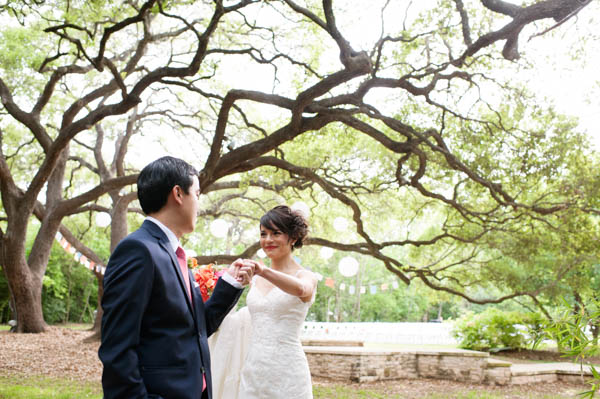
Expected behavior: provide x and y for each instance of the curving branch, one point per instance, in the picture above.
(522, 16)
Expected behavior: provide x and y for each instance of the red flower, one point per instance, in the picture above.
(207, 277)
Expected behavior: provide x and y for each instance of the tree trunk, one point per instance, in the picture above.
(24, 282)
(27, 294)
(87, 292)
(69, 289)
(357, 305)
(99, 312)
(118, 231)
(338, 312)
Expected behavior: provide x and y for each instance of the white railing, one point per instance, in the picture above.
(394, 333)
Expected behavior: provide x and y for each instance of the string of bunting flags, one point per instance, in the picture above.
(78, 256)
(348, 266)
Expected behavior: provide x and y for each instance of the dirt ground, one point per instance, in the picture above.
(62, 352)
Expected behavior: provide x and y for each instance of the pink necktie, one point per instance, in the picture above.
(186, 277)
(184, 270)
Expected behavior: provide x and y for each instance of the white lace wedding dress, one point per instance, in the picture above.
(275, 365)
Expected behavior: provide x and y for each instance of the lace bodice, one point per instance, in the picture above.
(276, 315)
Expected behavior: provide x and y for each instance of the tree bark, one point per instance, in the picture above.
(118, 231)
(27, 292)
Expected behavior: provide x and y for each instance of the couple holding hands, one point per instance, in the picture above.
(155, 325)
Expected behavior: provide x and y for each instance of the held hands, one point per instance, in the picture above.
(244, 269)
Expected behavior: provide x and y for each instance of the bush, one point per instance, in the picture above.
(495, 328)
(569, 330)
(70, 291)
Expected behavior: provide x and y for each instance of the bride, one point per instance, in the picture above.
(267, 351)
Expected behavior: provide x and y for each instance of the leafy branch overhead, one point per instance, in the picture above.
(406, 118)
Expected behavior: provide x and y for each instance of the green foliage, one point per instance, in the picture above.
(20, 49)
(495, 328)
(569, 330)
(70, 291)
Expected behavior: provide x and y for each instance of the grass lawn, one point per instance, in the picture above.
(77, 326)
(19, 387)
(25, 387)
(72, 326)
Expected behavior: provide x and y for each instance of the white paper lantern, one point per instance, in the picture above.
(302, 207)
(340, 223)
(261, 254)
(190, 253)
(348, 266)
(103, 219)
(219, 228)
(326, 252)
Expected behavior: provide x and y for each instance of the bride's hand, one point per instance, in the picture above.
(257, 266)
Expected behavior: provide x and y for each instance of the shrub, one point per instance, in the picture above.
(495, 328)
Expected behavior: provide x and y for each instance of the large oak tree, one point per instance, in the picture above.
(421, 122)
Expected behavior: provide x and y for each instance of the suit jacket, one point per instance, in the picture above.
(154, 339)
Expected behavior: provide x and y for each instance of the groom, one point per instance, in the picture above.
(155, 324)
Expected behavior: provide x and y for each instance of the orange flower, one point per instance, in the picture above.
(206, 277)
(192, 263)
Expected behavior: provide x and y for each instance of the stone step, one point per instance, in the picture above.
(331, 342)
(491, 363)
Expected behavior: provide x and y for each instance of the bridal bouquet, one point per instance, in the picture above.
(206, 276)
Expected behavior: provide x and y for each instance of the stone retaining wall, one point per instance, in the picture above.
(366, 364)
(360, 364)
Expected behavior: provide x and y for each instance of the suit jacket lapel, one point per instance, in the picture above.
(164, 243)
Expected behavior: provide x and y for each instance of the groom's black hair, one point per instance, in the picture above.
(293, 223)
(158, 178)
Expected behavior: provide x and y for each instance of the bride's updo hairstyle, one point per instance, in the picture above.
(283, 218)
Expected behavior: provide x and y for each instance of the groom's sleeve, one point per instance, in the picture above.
(222, 300)
(127, 289)
(228, 278)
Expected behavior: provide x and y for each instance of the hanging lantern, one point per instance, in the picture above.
(348, 266)
(326, 252)
(219, 228)
(190, 253)
(340, 223)
(302, 207)
(103, 219)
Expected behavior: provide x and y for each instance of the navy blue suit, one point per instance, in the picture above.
(154, 339)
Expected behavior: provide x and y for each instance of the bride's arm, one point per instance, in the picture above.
(303, 285)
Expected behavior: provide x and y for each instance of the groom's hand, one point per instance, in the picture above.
(241, 270)
(234, 267)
